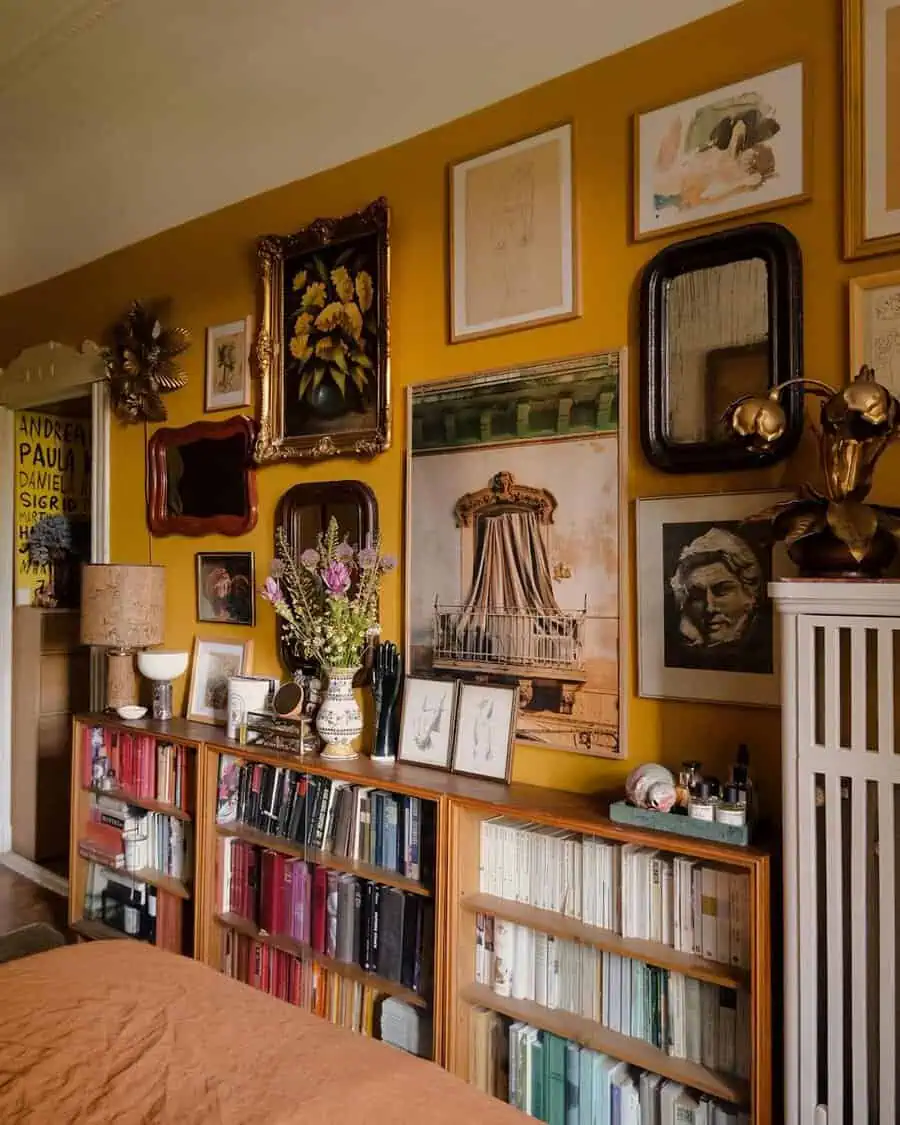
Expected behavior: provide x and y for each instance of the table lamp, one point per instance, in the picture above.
(123, 608)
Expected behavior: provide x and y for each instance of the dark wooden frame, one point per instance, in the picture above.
(198, 563)
(781, 253)
(307, 495)
(158, 518)
(513, 689)
(273, 444)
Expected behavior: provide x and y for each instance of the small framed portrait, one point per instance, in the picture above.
(705, 622)
(485, 730)
(228, 365)
(225, 588)
(213, 663)
(426, 725)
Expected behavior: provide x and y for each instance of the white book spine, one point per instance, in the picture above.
(723, 916)
(540, 969)
(553, 984)
(668, 904)
(709, 1025)
(504, 956)
(692, 1019)
(709, 909)
(655, 911)
(523, 966)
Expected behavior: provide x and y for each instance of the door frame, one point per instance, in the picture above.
(100, 525)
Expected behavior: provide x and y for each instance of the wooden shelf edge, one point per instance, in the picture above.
(147, 803)
(573, 929)
(299, 949)
(156, 879)
(96, 930)
(357, 867)
(622, 1047)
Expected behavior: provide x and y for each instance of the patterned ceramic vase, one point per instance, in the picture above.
(339, 720)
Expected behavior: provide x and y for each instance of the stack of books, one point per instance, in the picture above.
(121, 836)
(359, 822)
(139, 765)
(635, 891)
(382, 929)
(554, 1080)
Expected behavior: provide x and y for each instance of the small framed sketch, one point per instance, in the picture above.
(485, 730)
(736, 149)
(426, 725)
(706, 626)
(875, 326)
(213, 663)
(512, 245)
(225, 588)
(228, 365)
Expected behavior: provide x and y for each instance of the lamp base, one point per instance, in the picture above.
(121, 680)
(162, 699)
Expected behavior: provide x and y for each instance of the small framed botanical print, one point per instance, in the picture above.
(485, 730)
(228, 365)
(511, 237)
(213, 663)
(225, 587)
(426, 725)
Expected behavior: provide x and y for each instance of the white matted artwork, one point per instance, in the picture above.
(511, 237)
(228, 365)
(739, 148)
(485, 731)
(213, 663)
(875, 326)
(426, 725)
(706, 628)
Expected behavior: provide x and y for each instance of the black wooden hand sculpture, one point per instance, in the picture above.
(387, 676)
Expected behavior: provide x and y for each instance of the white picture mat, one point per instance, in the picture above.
(477, 733)
(216, 400)
(655, 680)
(200, 671)
(879, 221)
(429, 711)
(783, 88)
(461, 329)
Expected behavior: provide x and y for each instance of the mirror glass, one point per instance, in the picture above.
(716, 346)
(207, 478)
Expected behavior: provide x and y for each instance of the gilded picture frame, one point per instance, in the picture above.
(322, 351)
(871, 35)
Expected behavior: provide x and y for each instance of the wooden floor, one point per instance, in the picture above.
(22, 901)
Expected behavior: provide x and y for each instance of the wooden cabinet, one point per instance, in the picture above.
(51, 680)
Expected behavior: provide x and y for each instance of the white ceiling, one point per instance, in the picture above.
(114, 113)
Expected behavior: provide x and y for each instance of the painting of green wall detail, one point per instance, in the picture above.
(322, 349)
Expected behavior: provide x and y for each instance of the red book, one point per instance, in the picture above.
(319, 908)
(281, 916)
(266, 891)
(287, 896)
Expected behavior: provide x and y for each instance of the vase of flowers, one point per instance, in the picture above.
(329, 604)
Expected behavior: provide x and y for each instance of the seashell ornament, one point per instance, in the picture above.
(651, 786)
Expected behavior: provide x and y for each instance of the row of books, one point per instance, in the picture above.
(686, 1018)
(124, 836)
(326, 814)
(554, 1080)
(138, 764)
(134, 908)
(382, 929)
(635, 891)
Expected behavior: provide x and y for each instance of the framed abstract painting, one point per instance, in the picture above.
(737, 149)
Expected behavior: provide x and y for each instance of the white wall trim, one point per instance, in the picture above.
(35, 873)
(100, 469)
(7, 597)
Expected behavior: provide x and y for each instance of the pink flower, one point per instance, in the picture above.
(343, 552)
(271, 591)
(336, 577)
(368, 557)
(309, 559)
(388, 563)
(277, 568)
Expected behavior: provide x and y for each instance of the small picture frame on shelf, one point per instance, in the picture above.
(226, 591)
(228, 365)
(485, 730)
(213, 663)
(427, 722)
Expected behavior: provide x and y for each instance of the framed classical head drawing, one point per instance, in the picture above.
(515, 543)
(202, 479)
(740, 148)
(322, 349)
(871, 127)
(705, 622)
(721, 316)
(512, 237)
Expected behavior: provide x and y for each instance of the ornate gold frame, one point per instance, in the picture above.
(272, 443)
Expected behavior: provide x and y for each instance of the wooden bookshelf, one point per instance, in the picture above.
(622, 1047)
(167, 883)
(141, 802)
(307, 953)
(572, 929)
(98, 931)
(356, 867)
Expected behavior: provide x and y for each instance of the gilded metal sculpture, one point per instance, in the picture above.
(832, 533)
(141, 364)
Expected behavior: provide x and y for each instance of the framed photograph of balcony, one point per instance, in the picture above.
(516, 542)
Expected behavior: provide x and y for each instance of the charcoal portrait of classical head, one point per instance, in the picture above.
(717, 612)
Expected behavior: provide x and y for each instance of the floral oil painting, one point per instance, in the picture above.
(323, 345)
(735, 149)
(514, 544)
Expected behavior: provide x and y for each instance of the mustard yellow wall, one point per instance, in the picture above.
(207, 267)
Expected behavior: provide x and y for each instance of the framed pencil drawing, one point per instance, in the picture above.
(512, 238)
(875, 326)
(485, 730)
(427, 721)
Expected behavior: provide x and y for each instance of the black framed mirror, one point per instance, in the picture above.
(304, 512)
(720, 316)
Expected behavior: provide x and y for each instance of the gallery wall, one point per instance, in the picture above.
(207, 268)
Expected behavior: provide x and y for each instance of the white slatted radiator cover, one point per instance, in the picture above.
(841, 778)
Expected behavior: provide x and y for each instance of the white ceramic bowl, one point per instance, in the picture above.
(160, 664)
(131, 712)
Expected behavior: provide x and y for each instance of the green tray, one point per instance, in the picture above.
(623, 813)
